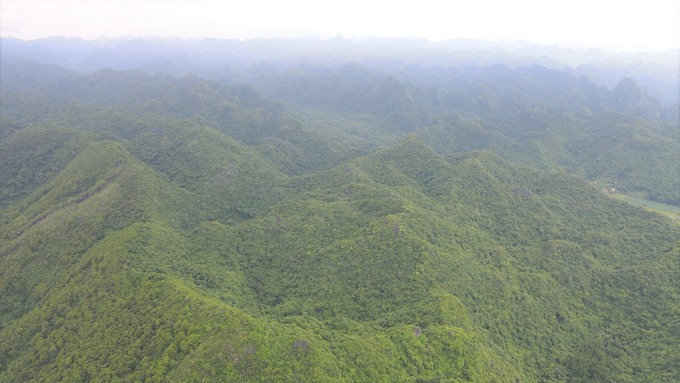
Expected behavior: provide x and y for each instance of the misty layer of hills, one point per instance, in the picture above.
(236, 60)
(340, 210)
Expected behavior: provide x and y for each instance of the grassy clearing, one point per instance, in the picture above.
(651, 204)
(662, 208)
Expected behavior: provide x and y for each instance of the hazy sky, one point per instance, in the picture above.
(628, 25)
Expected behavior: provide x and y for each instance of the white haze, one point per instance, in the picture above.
(611, 25)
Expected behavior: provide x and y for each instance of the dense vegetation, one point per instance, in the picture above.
(535, 116)
(155, 228)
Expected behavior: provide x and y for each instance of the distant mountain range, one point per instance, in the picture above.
(655, 71)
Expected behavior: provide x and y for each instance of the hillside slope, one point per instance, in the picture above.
(184, 255)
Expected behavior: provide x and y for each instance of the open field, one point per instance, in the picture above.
(662, 208)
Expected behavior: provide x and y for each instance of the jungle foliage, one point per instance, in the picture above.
(159, 229)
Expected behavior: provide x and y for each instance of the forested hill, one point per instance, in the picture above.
(400, 265)
(155, 228)
(534, 116)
